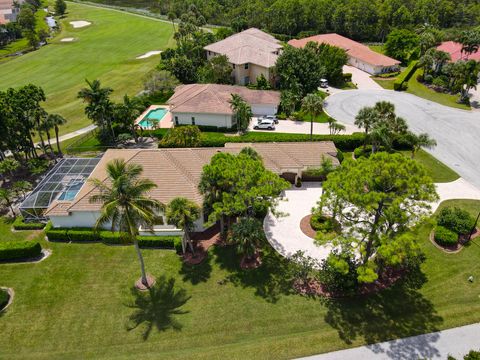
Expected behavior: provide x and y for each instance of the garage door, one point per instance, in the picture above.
(264, 109)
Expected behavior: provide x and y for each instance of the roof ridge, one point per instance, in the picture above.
(197, 90)
(176, 163)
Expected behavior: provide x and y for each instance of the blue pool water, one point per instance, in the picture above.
(70, 191)
(155, 115)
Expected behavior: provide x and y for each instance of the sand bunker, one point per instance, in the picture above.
(148, 54)
(67, 39)
(80, 24)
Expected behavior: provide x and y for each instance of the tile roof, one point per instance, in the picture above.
(177, 172)
(249, 46)
(353, 48)
(455, 51)
(213, 98)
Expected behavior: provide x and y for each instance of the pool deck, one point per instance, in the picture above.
(165, 123)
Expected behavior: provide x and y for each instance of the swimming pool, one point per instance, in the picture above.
(154, 115)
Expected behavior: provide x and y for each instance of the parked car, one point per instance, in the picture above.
(265, 124)
(268, 117)
(323, 83)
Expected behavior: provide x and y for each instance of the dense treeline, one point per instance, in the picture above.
(359, 19)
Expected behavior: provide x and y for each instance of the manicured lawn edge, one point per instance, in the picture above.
(19, 224)
(17, 250)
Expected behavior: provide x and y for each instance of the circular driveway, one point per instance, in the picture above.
(284, 233)
(456, 131)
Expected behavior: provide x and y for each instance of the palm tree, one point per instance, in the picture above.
(385, 110)
(335, 127)
(248, 235)
(312, 104)
(22, 187)
(99, 107)
(380, 135)
(440, 58)
(366, 119)
(242, 112)
(125, 204)
(127, 113)
(46, 125)
(470, 40)
(419, 141)
(57, 120)
(183, 213)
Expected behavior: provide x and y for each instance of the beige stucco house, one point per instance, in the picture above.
(251, 53)
(208, 104)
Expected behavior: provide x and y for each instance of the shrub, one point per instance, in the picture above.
(340, 156)
(455, 219)
(163, 242)
(347, 77)
(4, 297)
(19, 224)
(405, 76)
(13, 250)
(325, 224)
(445, 237)
(338, 273)
(367, 152)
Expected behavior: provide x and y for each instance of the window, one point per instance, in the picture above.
(176, 120)
(246, 66)
(234, 66)
(193, 120)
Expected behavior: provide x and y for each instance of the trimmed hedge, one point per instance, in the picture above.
(18, 224)
(445, 237)
(403, 78)
(4, 297)
(455, 219)
(111, 238)
(13, 250)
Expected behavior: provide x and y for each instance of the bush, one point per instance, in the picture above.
(388, 75)
(19, 224)
(367, 152)
(347, 77)
(340, 156)
(455, 219)
(162, 242)
(445, 237)
(403, 78)
(338, 273)
(324, 224)
(4, 297)
(13, 250)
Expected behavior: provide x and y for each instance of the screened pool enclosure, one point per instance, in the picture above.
(63, 182)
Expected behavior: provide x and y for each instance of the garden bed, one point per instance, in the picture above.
(454, 249)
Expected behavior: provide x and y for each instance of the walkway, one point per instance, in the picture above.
(457, 132)
(285, 235)
(456, 342)
(361, 78)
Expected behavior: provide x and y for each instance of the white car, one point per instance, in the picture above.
(268, 117)
(265, 124)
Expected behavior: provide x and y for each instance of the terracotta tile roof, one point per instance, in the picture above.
(455, 51)
(213, 98)
(177, 172)
(249, 46)
(353, 48)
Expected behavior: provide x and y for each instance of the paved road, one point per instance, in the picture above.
(302, 127)
(457, 132)
(456, 342)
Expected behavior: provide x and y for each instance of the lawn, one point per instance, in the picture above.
(420, 90)
(79, 304)
(385, 83)
(105, 50)
(377, 48)
(439, 172)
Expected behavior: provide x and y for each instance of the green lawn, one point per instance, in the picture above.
(439, 172)
(420, 90)
(377, 48)
(78, 304)
(385, 83)
(105, 50)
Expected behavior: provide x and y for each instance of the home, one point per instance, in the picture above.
(359, 55)
(177, 172)
(9, 10)
(251, 53)
(455, 50)
(208, 104)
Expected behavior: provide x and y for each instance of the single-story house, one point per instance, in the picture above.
(9, 10)
(359, 55)
(455, 50)
(251, 53)
(177, 172)
(208, 104)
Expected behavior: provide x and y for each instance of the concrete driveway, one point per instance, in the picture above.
(457, 132)
(361, 78)
(301, 127)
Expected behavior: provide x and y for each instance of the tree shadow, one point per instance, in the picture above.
(270, 280)
(394, 313)
(158, 307)
(196, 274)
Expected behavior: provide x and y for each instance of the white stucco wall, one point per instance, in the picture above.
(256, 71)
(263, 109)
(218, 120)
(370, 68)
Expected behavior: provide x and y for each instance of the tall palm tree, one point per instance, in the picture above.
(242, 112)
(57, 120)
(312, 104)
(366, 119)
(127, 112)
(46, 125)
(183, 213)
(419, 141)
(248, 236)
(99, 107)
(125, 203)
